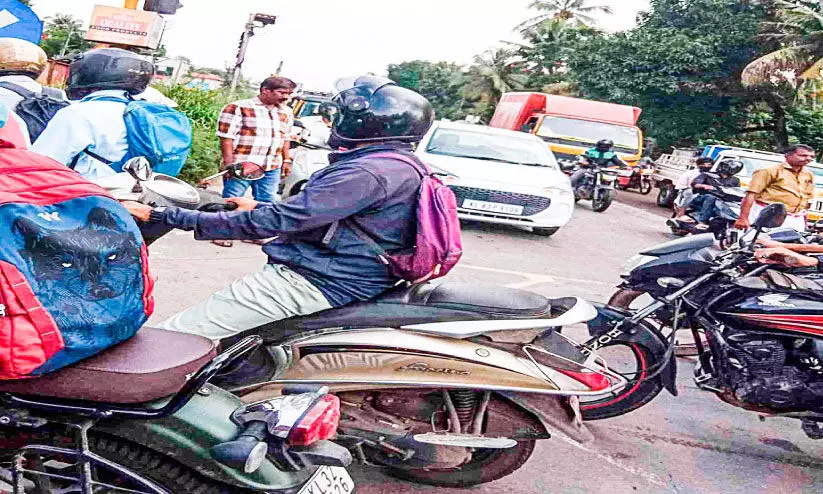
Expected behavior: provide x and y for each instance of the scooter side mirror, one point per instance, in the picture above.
(139, 168)
(248, 171)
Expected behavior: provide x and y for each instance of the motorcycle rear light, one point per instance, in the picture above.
(318, 423)
(593, 380)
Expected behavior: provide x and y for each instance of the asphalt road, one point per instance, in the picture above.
(693, 443)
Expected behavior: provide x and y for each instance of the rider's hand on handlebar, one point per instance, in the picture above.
(243, 203)
(742, 223)
(139, 211)
(785, 257)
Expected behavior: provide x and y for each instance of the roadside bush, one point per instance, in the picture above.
(203, 108)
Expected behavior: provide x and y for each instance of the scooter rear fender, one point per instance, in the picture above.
(188, 436)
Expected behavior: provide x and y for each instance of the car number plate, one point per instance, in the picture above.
(817, 205)
(329, 480)
(492, 207)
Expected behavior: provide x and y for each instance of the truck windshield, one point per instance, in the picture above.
(515, 148)
(584, 132)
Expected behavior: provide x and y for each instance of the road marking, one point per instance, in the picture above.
(638, 472)
(7, 19)
(533, 278)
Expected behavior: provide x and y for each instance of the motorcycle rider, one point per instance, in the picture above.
(684, 186)
(21, 63)
(89, 135)
(601, 155)
(317, 261)
(705, 204)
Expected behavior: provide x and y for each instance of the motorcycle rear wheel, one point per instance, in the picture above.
(486, 465)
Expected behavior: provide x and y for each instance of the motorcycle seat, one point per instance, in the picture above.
(151, 365)
(438, 309)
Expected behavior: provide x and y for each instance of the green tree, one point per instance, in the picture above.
(578, 11)
(494, 72)
(682, 65)
(64, 35)
(442, 83)
(547, 50)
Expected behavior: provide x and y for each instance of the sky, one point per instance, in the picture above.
(319, 41)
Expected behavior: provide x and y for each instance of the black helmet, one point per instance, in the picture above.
(327, 110)
(375, 109)
(604, 144)
(730, 166)
(108, 68)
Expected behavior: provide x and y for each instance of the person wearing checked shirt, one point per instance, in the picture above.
(789, 183)
(257, 130)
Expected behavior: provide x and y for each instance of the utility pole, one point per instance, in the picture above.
(66, 44)
(131, 4)
(280, 65)
(255, 21)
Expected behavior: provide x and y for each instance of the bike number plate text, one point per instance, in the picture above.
(492, 207)
(329, 480)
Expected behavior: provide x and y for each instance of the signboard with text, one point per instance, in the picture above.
(119, 26)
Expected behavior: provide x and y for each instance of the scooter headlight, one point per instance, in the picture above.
(633, 263)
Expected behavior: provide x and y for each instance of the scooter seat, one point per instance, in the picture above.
(151, 365)
(437, 309)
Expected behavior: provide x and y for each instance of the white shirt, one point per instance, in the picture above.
(96, 125)
(12, 99)
(684, 181)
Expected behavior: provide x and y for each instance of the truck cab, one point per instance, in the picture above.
(571, 126)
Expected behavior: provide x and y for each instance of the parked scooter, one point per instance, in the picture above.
(142, 417)
(721, 226)
(636, 177)
(597, 185)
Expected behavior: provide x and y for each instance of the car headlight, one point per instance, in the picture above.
(633, 263)
(558, 192)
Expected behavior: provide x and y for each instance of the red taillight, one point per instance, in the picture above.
(318, 424)
(593, 380)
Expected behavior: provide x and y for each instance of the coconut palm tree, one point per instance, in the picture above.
(798, 32)
(567, 10)
(493, 73)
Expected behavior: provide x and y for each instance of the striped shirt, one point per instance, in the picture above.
(257, 132)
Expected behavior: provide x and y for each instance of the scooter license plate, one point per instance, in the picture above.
(492, 207)
(329, 480)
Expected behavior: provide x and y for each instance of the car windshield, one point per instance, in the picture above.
(751, 165)
(576, 132)
(515, 148)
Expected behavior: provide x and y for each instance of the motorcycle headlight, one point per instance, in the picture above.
(633, 263)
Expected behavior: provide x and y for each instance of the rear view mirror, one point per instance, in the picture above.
(248, 171)
(139, 168)
(771, 216)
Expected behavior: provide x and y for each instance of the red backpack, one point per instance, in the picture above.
(74, 274)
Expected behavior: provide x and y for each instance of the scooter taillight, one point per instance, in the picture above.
(318, 423)
(593, 380)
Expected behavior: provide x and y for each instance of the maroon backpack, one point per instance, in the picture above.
(438, 245)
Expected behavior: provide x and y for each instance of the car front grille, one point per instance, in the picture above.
(531, 204)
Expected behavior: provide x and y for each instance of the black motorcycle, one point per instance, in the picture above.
(758, 329)
(597, 185)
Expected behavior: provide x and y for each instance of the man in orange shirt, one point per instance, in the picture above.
(789, 183)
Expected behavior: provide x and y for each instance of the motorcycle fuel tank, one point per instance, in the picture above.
(794, 312)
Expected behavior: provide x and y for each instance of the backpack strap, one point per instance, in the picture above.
(94, 155)
(52, 92)
(19, 90)
(367, 239)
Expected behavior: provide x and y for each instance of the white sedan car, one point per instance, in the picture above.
(500, 176)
